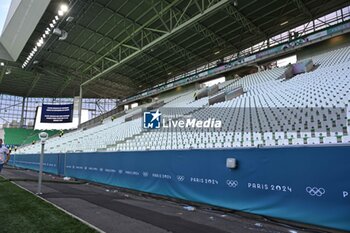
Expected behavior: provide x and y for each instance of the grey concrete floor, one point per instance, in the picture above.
(113, 209)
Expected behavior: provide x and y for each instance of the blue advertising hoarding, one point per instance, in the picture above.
(304, 184)
(57, 113)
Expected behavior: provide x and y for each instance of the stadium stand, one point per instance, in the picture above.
(20, 136)
(228, 105)
(264, 92)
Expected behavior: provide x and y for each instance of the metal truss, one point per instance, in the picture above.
(66, 83)
(2, 72)
(142, 37)
(160, 63)
(245, 22)
(205, 31)
(301, 6)
(34, 83)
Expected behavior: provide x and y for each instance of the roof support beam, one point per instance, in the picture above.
(184, 52)
(116, 86)
(245, 22)
(147, 35)
(98, 93)
(203, 30)
(169, 46)
(301, 6)
(166, 66)
(64, 86)
(34, 83)
(211, 8)
(2, 73)
(136, 31)
(141, 71)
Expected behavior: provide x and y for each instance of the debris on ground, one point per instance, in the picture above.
(189, 208)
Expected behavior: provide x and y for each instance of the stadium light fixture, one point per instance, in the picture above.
(2, 64)
(64, 8)
(284, 23)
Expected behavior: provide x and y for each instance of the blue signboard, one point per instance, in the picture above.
(57, 113)
(303, 184)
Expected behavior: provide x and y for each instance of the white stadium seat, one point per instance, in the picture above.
(254, 118)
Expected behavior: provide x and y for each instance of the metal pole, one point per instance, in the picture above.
(80, 105)
(22, 112)
(41, 168)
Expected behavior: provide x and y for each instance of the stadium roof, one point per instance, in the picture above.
(126, 46)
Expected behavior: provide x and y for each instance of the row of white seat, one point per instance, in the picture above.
(252, 119)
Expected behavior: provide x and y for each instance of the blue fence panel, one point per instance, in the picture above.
(31, 161)
(305, 184)
(61, 160)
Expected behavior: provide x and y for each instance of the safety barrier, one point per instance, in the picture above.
(304, 184)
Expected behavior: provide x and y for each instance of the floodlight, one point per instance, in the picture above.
(64, 8)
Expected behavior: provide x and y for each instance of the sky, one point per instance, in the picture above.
(4, 7)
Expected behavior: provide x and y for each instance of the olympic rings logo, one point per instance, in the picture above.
(314, 191)
(232, 183)
(180, 178)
